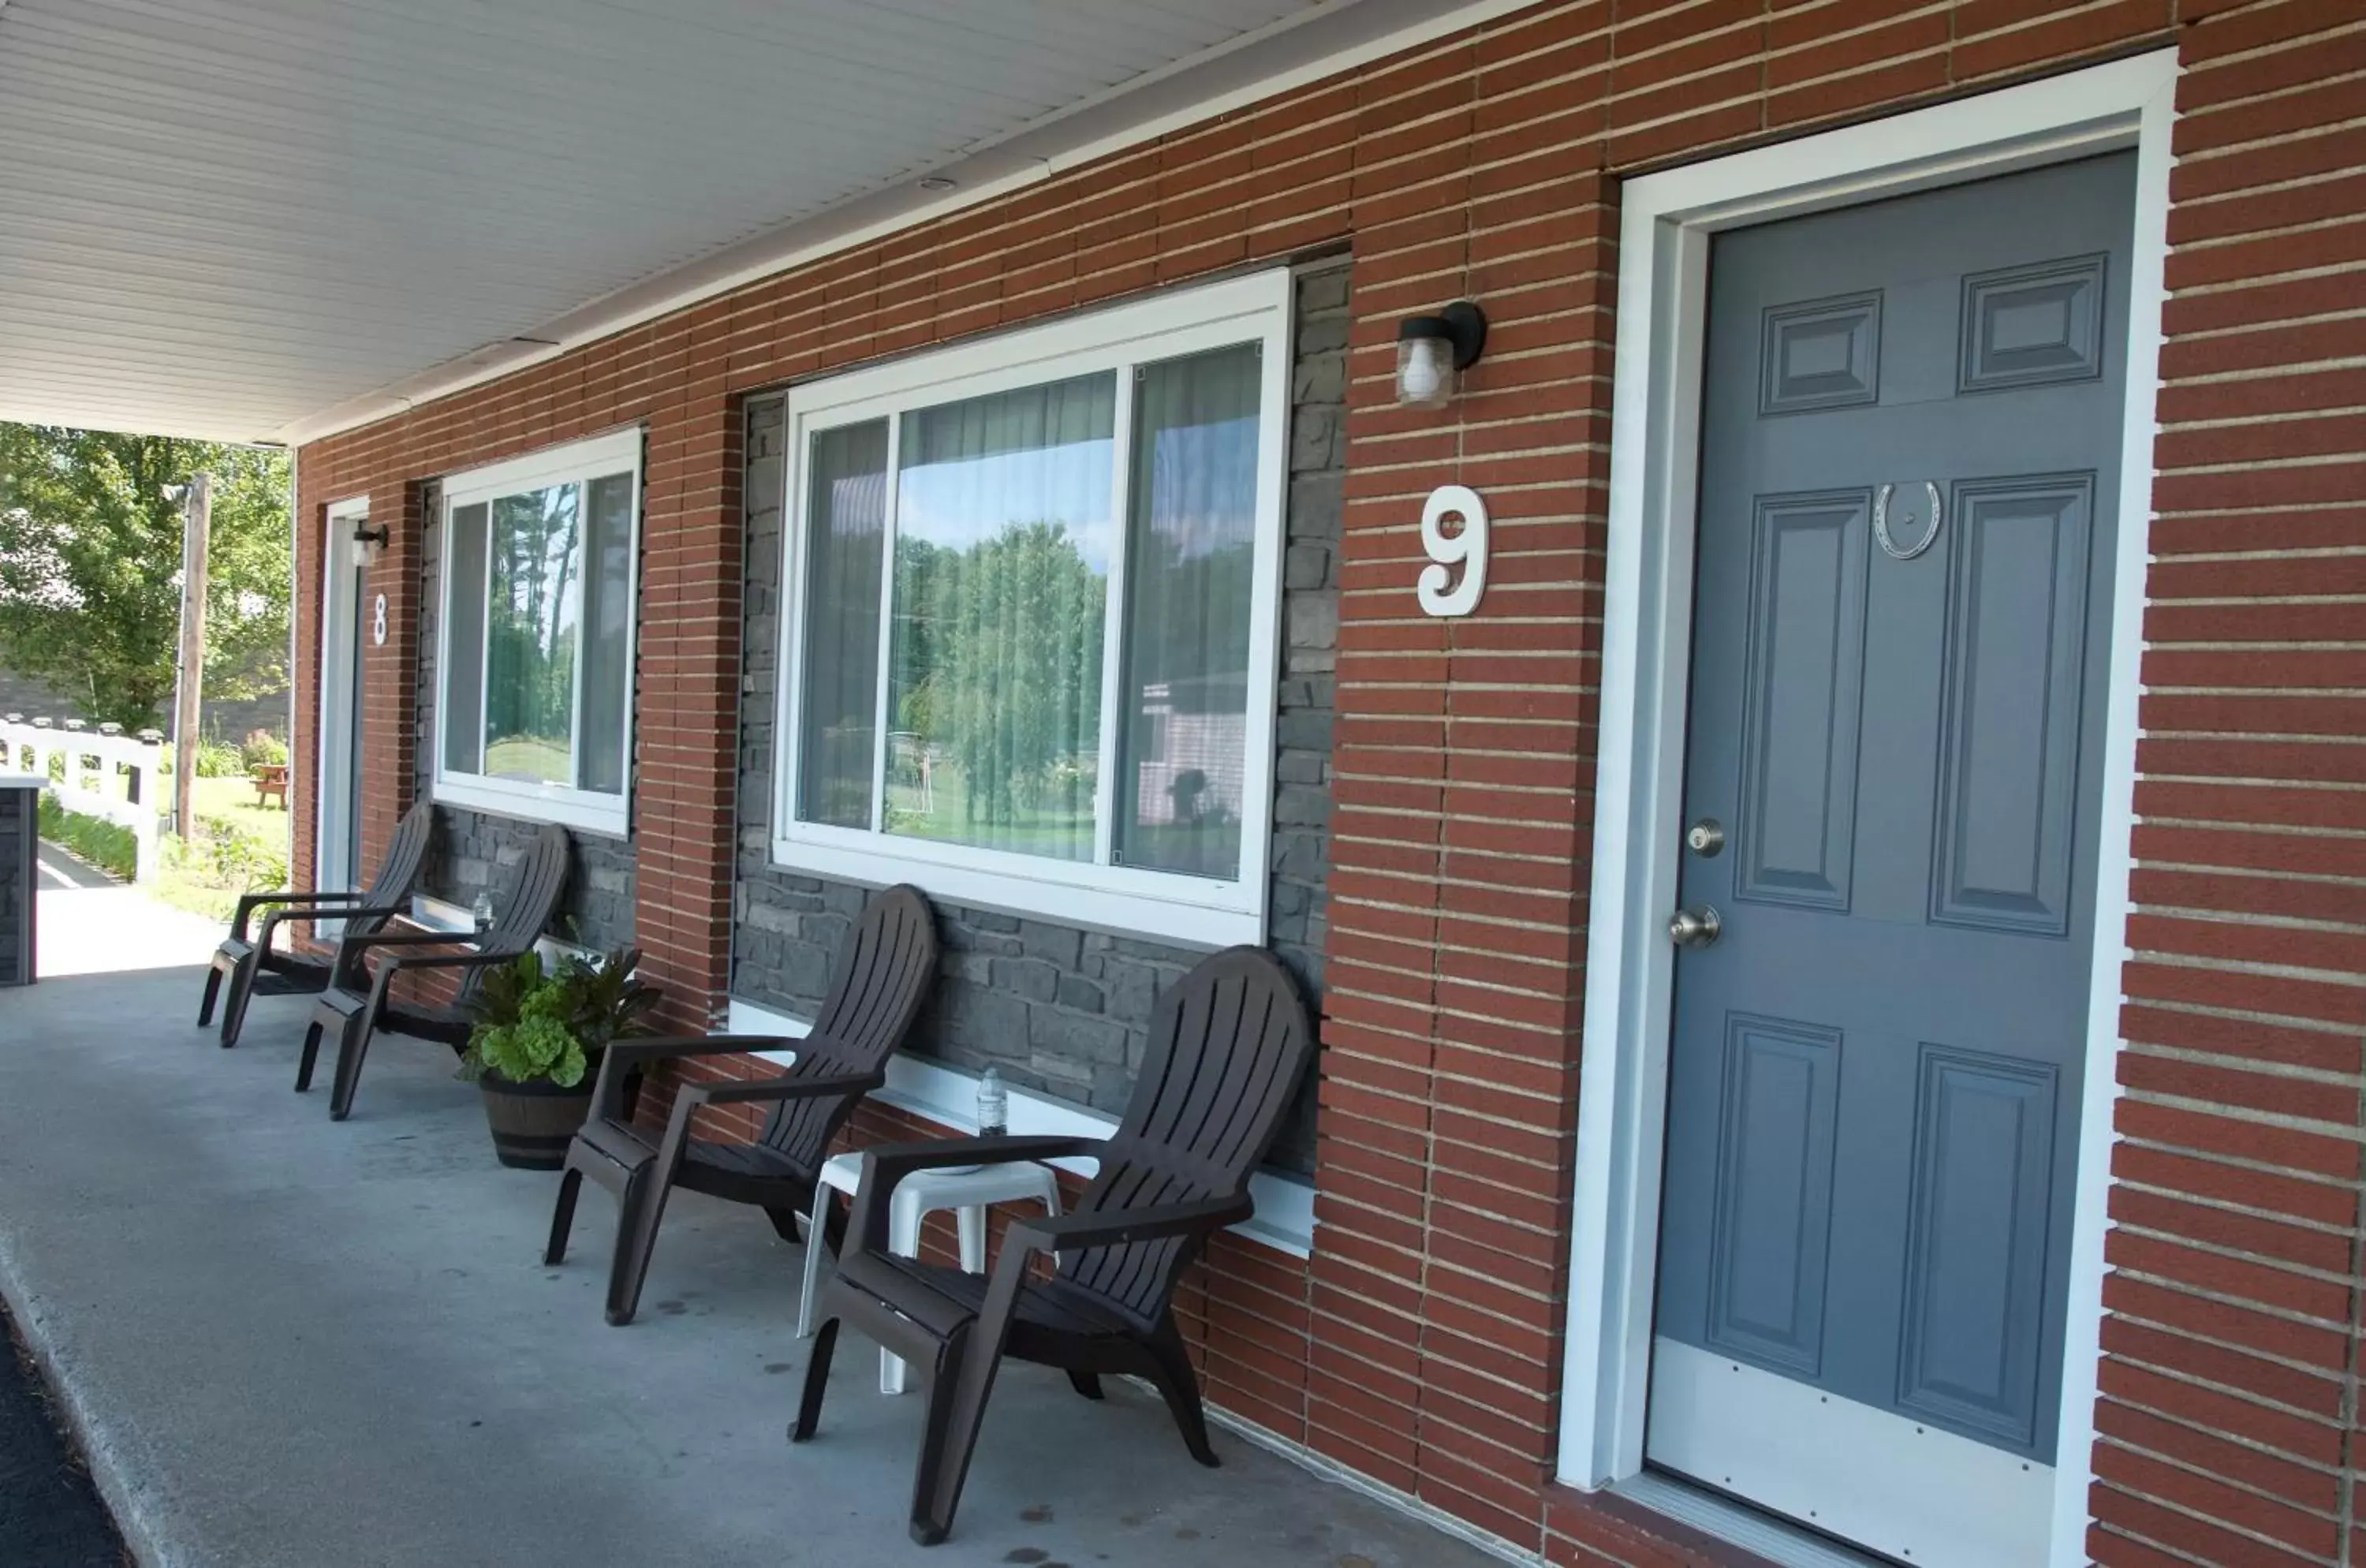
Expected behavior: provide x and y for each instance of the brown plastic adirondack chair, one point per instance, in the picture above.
(357, 1003)
(251, 965)
(882, 976)
(1229, 1044)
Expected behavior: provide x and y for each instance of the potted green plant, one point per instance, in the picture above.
(535, 1051)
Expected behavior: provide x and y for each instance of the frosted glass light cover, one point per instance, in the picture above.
(1426, 374)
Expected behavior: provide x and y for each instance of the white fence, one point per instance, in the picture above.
(99, 772)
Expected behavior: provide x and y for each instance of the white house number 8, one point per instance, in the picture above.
(1465, 547)
(377, 623)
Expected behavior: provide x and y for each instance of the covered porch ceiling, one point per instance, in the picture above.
(260, 219)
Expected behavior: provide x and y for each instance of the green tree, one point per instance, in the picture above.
(999, 662)
(90, 553)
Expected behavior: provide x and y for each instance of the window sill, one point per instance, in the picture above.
(609, 815)
(1285, 1207)
(442, 915)
(1070, 896)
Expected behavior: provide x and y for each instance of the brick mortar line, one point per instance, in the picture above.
(1497, 455)
(2249, 1532)
(2260, 465)
(1682, 37)
(2294, 552)
(2284, 44)
(2203, 243)
(2260, 737)
(1485, 988)
(2257, 645)
(2240, 1015)
(2280, 416)
(2206, 964)
(2159, 600)
(2249, 600)
(1810, 84)
(2255, 919)
(1507, 923)
(2239, 1162)
(2265, 188)
(2305, 835)
(1942, 9)
(1476, 1115)
(2311, 694)
(1430, 879)
(2237, 1254)
(2153, 1543)
(2282, 1071)
(2198, 156)
(1506, 753)
(2247, 1488)
(1430, 1167)
(1423, 1351)
(2269, 95)
(2248, 1116)
(2284, 1315)
(2190, 1380)
(2351, 1414)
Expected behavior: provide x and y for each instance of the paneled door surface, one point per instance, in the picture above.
(1910, 442)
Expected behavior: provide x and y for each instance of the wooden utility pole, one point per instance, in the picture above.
(194, 537)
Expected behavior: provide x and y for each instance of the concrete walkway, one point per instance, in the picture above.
(88, 923)
(290, 1343)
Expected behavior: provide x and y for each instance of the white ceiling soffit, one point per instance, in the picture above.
(254, 219)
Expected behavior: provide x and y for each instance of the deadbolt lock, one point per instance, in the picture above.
(1705, 837)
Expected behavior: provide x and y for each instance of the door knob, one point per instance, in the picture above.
(1694, 928)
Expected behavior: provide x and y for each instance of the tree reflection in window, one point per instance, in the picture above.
(530, 635)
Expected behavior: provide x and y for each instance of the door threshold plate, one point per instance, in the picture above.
(1898, 1486)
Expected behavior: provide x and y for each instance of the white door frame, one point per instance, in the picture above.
(340, 641)
(1646, 641)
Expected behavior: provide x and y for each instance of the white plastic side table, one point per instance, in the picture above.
(966, 1191)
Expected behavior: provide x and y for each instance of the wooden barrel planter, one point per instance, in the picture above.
(532, 1123)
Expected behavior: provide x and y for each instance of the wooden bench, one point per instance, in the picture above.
(270, 783)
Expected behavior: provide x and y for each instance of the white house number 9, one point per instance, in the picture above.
(377, 623)
(1465, 547)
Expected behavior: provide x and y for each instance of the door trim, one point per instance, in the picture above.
(339, 641)
(1666, 223)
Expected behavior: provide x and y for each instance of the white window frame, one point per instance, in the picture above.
(1166, 904)
(577, 463)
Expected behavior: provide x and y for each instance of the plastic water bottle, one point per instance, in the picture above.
(484, 910)
(993, 1105)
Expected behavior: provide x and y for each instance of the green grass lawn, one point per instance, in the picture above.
(239, 847)
(232, 801)
(530, 757)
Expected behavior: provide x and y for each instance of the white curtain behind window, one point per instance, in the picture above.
(1191, 559)
(846, 514)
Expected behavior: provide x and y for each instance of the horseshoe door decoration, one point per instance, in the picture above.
(1932, 516)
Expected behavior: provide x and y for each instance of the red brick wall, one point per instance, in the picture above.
(1422, 1346)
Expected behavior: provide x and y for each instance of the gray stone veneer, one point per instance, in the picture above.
(1059, 1009)
(20, 846)
(471, 849)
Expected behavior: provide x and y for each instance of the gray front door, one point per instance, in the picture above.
(1909, 479)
